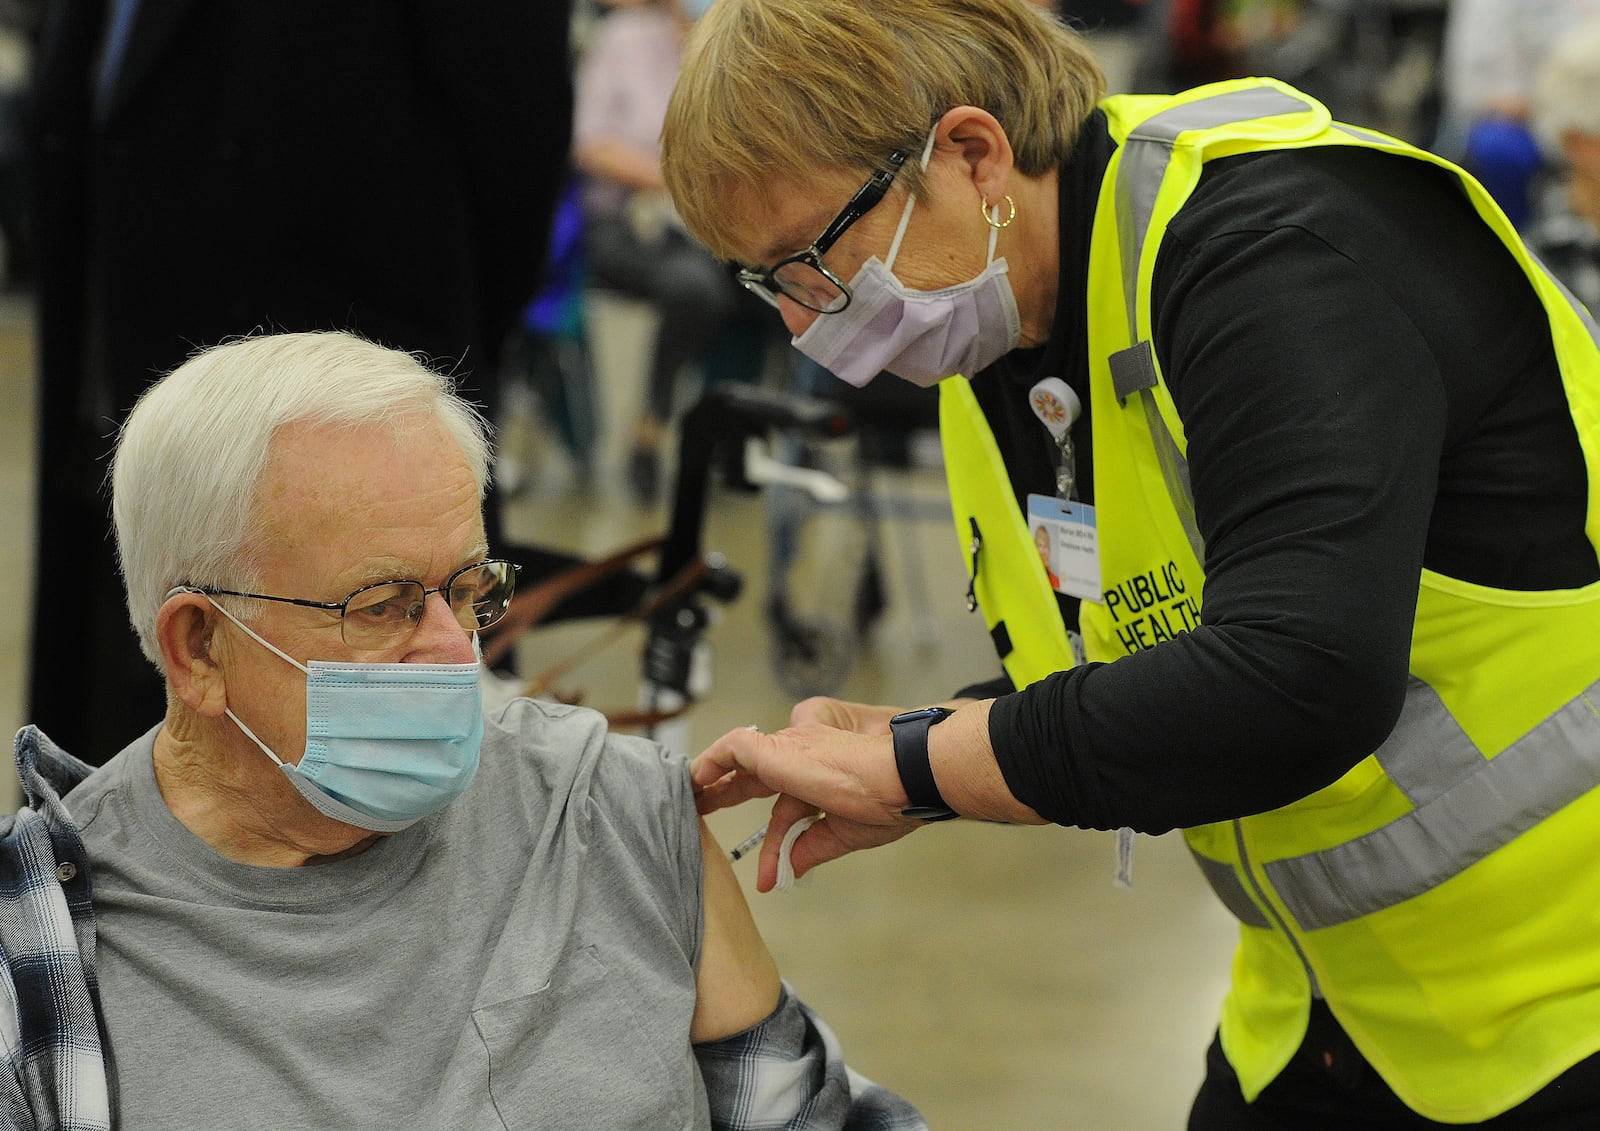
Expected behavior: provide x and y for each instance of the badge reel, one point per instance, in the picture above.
(1063, 528)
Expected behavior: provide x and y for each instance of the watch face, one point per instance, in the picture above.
(932, 713)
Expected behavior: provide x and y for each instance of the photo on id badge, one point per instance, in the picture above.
(1064, 533)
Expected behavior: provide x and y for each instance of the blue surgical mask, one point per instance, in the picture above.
(386, 744)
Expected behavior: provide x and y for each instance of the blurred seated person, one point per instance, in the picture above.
(1492, 52)
(1566, 118)
(634, 243)
(327, 891)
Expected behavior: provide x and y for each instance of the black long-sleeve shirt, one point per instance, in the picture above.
(1368, 388)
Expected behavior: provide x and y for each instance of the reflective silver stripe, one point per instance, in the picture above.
(1243, 105)
(1466, 806)
(1133, 370)
(1365, 135)
(1175, 473)
(1144, 164)
(1145, 156)
(1148, 151)
(1459, 819)
(1427, 752)
(1224, 880)
(1582, 311)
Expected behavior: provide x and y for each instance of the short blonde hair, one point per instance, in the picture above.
(785, 88)
(1566, 89)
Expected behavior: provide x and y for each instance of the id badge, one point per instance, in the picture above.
(1068, 543)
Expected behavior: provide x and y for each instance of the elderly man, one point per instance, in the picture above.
(326, 890)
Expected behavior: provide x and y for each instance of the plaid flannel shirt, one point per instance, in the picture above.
(786, 1072)
(55, 1075)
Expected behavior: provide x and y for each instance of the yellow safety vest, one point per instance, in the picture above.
(1443, 896)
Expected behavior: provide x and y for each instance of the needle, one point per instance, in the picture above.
(748, 843)
(755, 838)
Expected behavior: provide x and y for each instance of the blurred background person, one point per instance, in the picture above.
(633, 242)
(1372, 63)
(1566, 120)
(1492, 53)
(206, 169)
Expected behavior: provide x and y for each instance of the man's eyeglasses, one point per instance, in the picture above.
(803, 276)
(386, 614)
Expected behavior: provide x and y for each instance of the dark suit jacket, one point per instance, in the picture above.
(386, 166)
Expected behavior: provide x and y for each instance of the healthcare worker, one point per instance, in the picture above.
(1319, 446)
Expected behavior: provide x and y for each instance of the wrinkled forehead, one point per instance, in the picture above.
(357, 474)
(340, 506)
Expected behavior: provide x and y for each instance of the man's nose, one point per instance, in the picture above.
(439, 638)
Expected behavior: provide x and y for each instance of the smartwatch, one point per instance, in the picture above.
(910, 730)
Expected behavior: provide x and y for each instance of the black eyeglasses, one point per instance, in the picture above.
(385, 614)
(803, 276)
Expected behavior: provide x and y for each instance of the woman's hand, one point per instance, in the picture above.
(813, 766)
(835, 756)
(862, 718)
(837, 759)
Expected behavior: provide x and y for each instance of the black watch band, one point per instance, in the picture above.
(910, 730)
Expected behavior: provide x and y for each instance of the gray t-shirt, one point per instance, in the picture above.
(524, 958)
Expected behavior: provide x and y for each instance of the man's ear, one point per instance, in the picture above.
(185, 627)
(981, 141)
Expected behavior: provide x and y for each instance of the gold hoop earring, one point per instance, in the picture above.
(991, 221)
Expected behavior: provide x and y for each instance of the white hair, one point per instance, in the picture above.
(191, 453)
(1566, 90)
